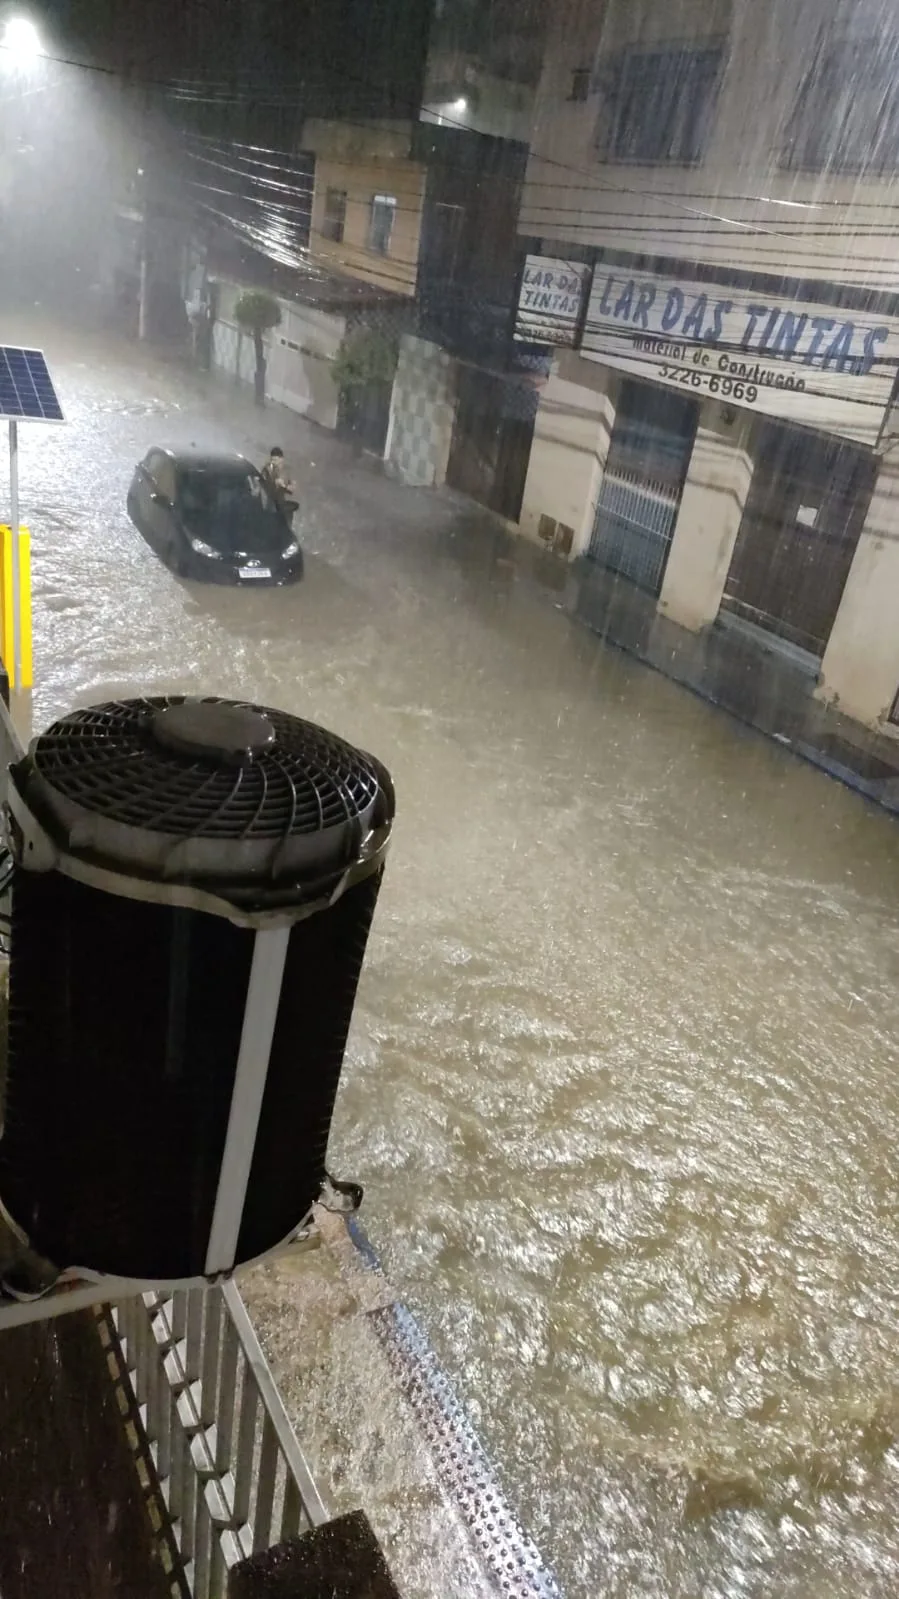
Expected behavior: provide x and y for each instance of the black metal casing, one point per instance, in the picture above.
(194, 890)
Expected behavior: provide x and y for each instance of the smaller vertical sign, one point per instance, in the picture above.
(550, 301)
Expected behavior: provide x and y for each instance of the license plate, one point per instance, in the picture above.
(254, 571)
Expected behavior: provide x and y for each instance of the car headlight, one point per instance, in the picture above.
(202, 548)
(293, 548)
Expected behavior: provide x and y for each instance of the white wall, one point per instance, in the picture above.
(302, 352)
(299, 355)
(232, 351)
(571, 443)
(360, 181)
(709, 517)
(422, 413)
(860, 670)
(729, 210)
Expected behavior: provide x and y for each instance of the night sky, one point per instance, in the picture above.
(346, 56)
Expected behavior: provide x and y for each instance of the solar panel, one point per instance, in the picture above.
(26, 387)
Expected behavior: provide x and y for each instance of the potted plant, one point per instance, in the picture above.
(365, 361)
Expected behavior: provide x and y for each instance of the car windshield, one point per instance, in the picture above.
(230, 509)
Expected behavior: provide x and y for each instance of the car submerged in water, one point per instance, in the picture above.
(212, 517)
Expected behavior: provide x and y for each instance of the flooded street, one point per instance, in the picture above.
(623, 1086)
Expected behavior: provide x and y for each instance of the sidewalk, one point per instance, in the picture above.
(323, 1320)
(738, 671)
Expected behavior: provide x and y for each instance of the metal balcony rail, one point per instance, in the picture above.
(210, 1426)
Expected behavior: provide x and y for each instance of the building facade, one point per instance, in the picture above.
(483, 67)
(367, 201)
(710, 219)
(427, 211)
(467, 289)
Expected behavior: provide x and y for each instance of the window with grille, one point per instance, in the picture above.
(334, 219)
(659, 105)
(846, 117)
(380, 227)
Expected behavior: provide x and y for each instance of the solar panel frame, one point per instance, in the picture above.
(27, 392)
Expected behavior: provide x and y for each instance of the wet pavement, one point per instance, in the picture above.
(623, 1081)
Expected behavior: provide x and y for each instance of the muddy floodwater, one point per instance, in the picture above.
(623, 1085)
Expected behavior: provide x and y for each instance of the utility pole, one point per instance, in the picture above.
(16, 567)
(149, 190)
(142, 301)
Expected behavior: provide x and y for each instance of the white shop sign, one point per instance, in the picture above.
(820, 365)
(550, 300)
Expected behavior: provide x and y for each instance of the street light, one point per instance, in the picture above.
(22, 40)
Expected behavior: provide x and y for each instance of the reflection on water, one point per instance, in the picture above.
(623, 1087)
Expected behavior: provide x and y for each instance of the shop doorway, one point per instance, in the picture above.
(805, 510)
(492, 436)
(640, 493)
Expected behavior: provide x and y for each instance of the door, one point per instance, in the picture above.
(640, 493)
(363, 416)
(156, 495)
(804, 513)
(291, 347)
(491, 443)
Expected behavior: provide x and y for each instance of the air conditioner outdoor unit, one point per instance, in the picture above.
(194, 886)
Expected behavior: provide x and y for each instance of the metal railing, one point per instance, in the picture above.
(209, 1422)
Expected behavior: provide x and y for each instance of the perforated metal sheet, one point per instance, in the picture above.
(108, 760)
(507, 1551)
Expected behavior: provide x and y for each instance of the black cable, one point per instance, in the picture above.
(706, 226)
(655, 229)
(702, 229)
(288, 99)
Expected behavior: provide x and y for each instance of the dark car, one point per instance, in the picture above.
(212, 517)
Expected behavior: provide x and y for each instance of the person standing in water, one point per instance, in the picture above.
(275, 477)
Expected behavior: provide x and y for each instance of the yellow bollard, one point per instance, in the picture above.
(6, 604)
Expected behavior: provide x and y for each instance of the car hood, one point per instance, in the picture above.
(246, 545)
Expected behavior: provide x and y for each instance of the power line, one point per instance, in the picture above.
(387, 267)
(225, 93)
(709, 225)
(302, 258)
(657, 231)
(653, 229)
(594, 182)
(385, 270)
(635, 223)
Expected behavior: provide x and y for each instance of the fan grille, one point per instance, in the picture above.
(107, 760)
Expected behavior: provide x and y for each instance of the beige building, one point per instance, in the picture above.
(711, 218)
(367, 201)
